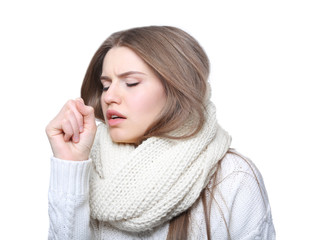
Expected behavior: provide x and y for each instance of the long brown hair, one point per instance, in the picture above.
(176, 58)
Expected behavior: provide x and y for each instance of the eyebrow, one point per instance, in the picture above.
(125, 74)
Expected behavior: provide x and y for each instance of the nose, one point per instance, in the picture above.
(113, 94)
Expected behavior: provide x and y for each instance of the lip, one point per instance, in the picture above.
(113, 122)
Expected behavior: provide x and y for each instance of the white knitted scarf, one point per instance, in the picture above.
(136, 189)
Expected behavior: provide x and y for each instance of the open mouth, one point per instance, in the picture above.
(114, 117)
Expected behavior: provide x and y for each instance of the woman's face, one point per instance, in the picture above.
(132, 95)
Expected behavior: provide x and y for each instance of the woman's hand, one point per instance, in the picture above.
(71, 133)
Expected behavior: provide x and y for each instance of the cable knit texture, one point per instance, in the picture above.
(69, 188)
(137, 189)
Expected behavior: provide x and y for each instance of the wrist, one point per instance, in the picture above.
(71, 157)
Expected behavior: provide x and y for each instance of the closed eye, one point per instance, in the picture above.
(106, 84)
(132, 84)
(105, 89)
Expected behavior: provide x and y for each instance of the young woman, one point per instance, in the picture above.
(158, 165)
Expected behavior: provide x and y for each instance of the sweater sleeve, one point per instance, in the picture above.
(69, 211)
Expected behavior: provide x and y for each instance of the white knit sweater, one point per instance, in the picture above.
(241, 201)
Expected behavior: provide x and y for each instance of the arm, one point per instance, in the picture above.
(69, 210)
(71, 134)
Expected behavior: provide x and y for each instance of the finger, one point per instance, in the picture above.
(74, 125)
(57, 125)
(87, 112)
(72, 106)
(78, 115)
(67, 129)
(80, 100)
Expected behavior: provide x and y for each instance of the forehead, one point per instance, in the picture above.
(122, 59)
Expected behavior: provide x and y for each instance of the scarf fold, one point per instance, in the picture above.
(137, 189)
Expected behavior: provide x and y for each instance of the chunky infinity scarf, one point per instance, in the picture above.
(136, 189)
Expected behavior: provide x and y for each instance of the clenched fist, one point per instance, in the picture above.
(71, 133)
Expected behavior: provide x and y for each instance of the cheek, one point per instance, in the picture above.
(148, 105)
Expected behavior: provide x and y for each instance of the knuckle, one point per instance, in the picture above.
(70, 104)
(90, 109)
(50, 127)
(65, 121)
(68, 113)
(47, 129)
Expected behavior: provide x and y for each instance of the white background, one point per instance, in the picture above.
(261, 58)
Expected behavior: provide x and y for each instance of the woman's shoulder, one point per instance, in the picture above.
(236, 200)
(236, 163)
(238, 177)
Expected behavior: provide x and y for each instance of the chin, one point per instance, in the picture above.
(120, 139)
